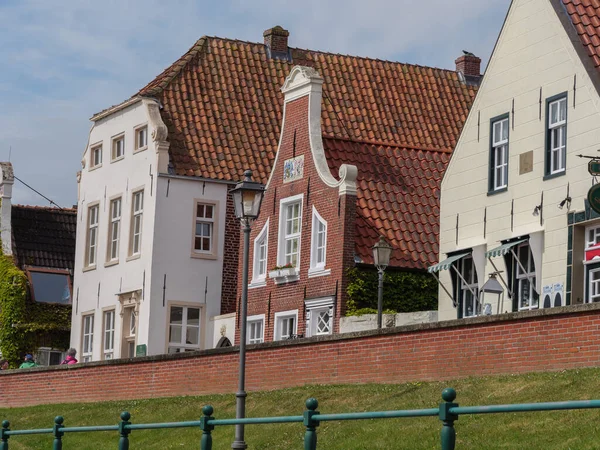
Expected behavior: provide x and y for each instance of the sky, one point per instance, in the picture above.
(61, 61)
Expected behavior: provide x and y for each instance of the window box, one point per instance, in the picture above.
(283, 273)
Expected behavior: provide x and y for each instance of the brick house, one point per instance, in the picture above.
(333, 191)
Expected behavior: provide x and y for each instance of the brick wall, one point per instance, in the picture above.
(543, 340)
(231, 257)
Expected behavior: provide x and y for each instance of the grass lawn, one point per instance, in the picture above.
(538, 430)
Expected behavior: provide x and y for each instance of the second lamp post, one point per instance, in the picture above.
(381, 258)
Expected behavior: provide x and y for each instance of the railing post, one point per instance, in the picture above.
(58, 424)
(310, 437)
(206, 442)
(3, 436)
(448, 433)
(124, 432)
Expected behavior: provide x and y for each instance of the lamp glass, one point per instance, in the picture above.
(381, 253)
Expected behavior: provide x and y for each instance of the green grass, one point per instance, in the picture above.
(539, 430)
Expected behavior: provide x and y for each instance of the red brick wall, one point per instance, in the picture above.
(339, 212)
(545, 340)
(230, 259)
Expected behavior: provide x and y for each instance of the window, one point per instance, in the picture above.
(286, 325)
(50, 286)
(203, 234)
(92, 236)
(136, 223)
(468, 292)
(96, 156)
(259, 267)
(129, 332)
(88, 338)
(141, 137)
(592, 237)
(184, 329)
(594, 286)
(109, 334)
(118, 148)
(556, 135)
(318, 242)
(499, 154)
(256, 329)
(526, 294)
(319, 316)
(114, 230)
(49, 357)
(290, 227)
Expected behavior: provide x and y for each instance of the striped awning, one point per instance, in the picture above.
(445, 264)
(503, 249)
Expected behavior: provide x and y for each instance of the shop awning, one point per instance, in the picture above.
(445, 264)
(503, 249)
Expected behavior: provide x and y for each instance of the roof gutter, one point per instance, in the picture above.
(114, 109)
(194, 178)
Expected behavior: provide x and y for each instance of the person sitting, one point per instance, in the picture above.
(28, 362)
(70, 359)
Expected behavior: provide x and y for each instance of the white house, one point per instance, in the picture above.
(513, 199)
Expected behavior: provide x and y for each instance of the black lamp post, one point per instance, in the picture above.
(381, 258)
(247, 198)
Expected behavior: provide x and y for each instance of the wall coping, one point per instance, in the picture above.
(404, 329)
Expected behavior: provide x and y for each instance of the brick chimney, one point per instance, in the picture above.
(469, 66)
(276, 42)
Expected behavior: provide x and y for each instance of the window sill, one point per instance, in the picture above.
(497, 191)
(117, 159)
(111, 263)
(257, 283)
(281, 276)
(141, 149)
(318, 272)
(288, 279)
(92, 168)
(132, 257)
(88, 268)
(554, 175)
(203, 255)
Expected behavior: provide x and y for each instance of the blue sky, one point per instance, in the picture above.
(63, 60)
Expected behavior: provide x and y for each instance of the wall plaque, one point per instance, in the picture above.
(525, 162)
(293, 169)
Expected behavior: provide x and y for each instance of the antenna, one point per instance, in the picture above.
(9, 152)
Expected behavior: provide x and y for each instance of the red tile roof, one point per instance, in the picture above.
(222, 104)
(397, 197)
(43, 236)
(585, 16)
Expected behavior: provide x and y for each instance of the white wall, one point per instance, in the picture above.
(533, 52)
(369, 321)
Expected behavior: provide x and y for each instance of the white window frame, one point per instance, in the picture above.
(252, 321)
(313, 310)
(143, 128)
(283, 316)
(591, 295)
(317, 268)
(282, 236)
(42, 356)
(108, 332)
(179, 345)
(91, 241)
(500, 146)
(468, 286)
(95, 150)
(528, 276)
(589, 244)
(261, 241)
(114, 156)
(136, 214)
(210, 221)
(114, 227)
(87, 338)
(557, 151)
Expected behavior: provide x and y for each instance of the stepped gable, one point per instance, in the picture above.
(222, 104)
(397, 197)
(44, 236)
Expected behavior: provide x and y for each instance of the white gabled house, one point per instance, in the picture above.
(513, 199)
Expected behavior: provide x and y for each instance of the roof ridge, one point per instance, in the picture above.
(45, 208)
(388, 144)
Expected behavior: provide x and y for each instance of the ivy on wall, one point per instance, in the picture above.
(26, 325)
(402, 292)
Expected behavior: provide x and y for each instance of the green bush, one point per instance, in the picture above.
(402, 292)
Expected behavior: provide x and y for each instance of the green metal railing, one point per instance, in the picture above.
(448, 412)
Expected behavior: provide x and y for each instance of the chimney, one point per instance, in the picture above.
(6, 185)
(276, 42)
(469, 66)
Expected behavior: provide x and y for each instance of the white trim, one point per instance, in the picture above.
(314, 307)
(281, 232)
(256, 318)
(587, 296)
(258, 279)
(314, 273)
(281, 316)
(316, 221)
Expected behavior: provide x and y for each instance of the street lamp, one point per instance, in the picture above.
(247, 197)
(381, 258)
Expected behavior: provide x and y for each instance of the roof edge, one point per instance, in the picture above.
(113, 109)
